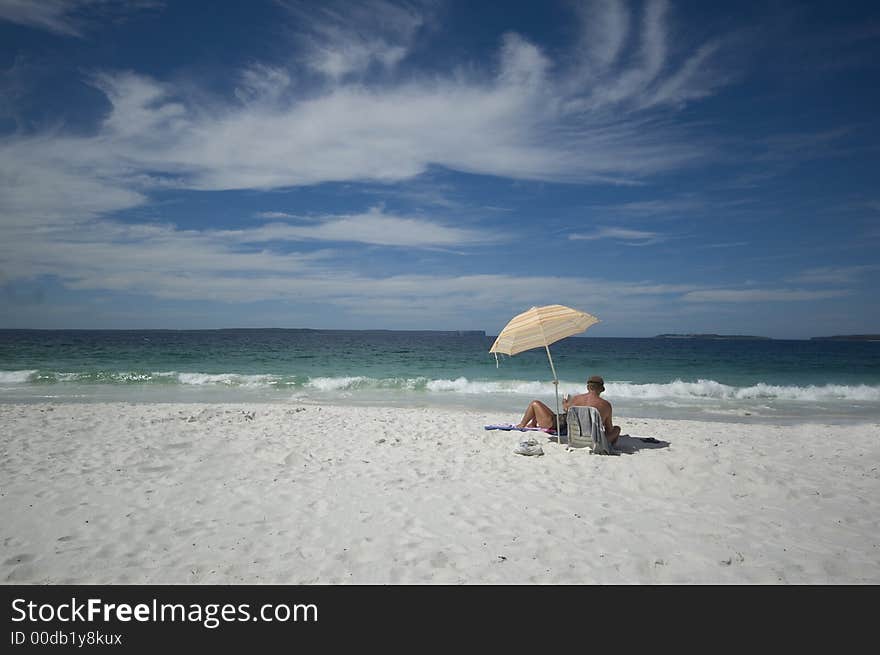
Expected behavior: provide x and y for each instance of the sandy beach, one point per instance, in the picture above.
(304, 494)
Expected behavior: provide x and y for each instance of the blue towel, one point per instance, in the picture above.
(511, 426)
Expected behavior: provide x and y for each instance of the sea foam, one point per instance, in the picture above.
(675, 390)
(16, 377)
(227, 379)
(710, 389)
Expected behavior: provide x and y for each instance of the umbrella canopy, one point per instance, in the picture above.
(538, 328)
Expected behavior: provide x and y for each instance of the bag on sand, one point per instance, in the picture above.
(529, 447)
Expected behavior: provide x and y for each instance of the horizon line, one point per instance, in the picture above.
(667, 335)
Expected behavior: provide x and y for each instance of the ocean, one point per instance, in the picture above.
(730, 380)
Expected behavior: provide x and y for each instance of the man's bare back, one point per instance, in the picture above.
(592, 399)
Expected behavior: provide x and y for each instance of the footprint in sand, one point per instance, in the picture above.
(23, 573)
(440, 560)
(15, 560)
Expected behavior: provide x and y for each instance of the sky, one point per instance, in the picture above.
(670, 167)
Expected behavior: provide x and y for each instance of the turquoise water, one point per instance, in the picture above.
(684, 378)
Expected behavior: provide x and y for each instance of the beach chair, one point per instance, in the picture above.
(586, 430)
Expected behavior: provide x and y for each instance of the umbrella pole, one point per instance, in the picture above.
(556, 385)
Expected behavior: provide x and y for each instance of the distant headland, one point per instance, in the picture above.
(726, 337)
(849, 337)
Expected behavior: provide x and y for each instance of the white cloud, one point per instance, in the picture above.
(833, 274)
(524, 117)
(353, 133)
(372, 227)
(727, 244)
(633, 69)
(605, 26)
(276, 215)
(526, 123)
(65, 17)
(345, 38)
(105, 255)
(691, 82)
(762, 295)
(141, 107)
(231, 266)
(630, 237)
(39, 187)
(50, 15)
(262, 83)
(662, 207)
(151, 259)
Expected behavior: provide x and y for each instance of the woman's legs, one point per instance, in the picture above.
(538, 415)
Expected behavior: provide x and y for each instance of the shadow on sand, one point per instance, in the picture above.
(627, 444)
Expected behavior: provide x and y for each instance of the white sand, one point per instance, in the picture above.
(125, 493)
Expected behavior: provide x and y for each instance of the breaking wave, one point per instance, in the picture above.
(15, 377)
(676, 390)
(712, 390)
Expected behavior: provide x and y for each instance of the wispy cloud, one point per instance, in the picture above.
(522, 124)
(605, 26)
(230, 266)
(684, 205)
(728, 244)
(344, 38)
(643, 74)
(833, 274)
(655, 207)
(236, 266)
(802, 146)
(112, 257)
(421, 192)
(51, 15)
(373, 227)
(262, 83)
(67, 17)
(340, 112)
(627, 236)
(762, 295)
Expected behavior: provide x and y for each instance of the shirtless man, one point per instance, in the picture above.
(539, 415)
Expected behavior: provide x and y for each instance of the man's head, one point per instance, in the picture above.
(596, 384)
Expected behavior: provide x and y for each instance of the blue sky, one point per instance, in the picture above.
(666, 166)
